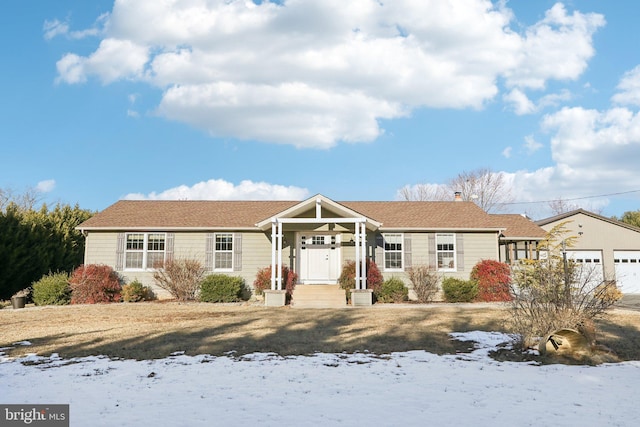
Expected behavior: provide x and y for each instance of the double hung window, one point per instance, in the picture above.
(446, 251)
(144, 250)
(392, 251)
(223, 252)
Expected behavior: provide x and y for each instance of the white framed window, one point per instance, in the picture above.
(446, 251)
(144, 250)
(393, 251)
(223, 257)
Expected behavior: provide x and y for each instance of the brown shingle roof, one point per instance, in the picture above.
(432, 215)
(165, 214)
(147, 214)
(518, 226)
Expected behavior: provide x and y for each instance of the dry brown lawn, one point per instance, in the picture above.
(157, 329)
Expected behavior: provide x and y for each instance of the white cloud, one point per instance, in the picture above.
(71, 69)
(520, 102)
(507, 152)
(46, 186)
(531, 144)
(54, 28)
(316, 72)
(558, 47)
(594, 152)
(113, 60)
(629, 88)
(218, 189)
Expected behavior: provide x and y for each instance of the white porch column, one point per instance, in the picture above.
(279, 272)
(363, 237)
(357, 236)
(273, 255)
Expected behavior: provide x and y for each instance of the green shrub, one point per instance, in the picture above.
(458, 290)
(94, 283)
(392, 290)
(221, 288)
(136, 291)
(52, 289)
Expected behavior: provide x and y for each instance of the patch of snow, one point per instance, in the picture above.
(404, 388)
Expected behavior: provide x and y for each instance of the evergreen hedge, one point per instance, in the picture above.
(221, 288)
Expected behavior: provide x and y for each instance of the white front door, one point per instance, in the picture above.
(319, 257)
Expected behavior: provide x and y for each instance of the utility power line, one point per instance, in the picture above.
(575, 198)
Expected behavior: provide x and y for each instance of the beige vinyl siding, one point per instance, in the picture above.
(478, 246)
(190, 245)
(100, 248)
(597, 234)
(256, 254)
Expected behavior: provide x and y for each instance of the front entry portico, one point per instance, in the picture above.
(319, 225)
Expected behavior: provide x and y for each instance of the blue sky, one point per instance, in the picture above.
(105, 100)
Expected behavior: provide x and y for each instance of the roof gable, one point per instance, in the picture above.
(578, 212)
(318, 207)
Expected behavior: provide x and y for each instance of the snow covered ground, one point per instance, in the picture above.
(401, 389)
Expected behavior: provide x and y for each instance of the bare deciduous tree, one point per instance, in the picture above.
(425, 192)
(25, 201)
(486, 188)
(561, 206)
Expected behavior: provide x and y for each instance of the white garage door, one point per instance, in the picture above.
(627, 265)
(590, 265)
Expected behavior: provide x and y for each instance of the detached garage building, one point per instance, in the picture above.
(611, 247)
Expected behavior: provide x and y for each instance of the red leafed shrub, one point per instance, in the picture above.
(493, 279)
(93, 283)
(263, 280)
(347, 278)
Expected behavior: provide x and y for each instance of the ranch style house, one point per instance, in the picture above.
(314, 238)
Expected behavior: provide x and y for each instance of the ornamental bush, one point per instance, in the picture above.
(52, 289)
(347, 278)
(424, 280)
(180, 277)
(136, 292)
(458, 290)
(493, 279)
(263, 280)
(94, 283)
(392, 290)
(221, 288)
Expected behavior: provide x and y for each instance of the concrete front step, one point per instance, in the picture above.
(318, 296)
